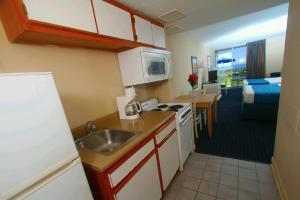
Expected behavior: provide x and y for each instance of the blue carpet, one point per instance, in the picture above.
(234, 137)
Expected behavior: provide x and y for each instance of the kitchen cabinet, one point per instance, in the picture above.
(169, 159)
(135, 176)
(143, 29)
(140, 170)
(117, 175)
(144, 172)
(97, 24)
(159, 39)
(112, 20)
(168, 152)
(144, 184)
(77, 14)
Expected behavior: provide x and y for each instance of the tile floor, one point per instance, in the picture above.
(207, 177)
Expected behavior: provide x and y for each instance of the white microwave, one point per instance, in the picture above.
(144, 65)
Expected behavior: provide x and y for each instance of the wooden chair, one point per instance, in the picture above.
(197, 114)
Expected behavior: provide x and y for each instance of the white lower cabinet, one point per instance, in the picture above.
(169, 159)
(122, 171)
(144, 184)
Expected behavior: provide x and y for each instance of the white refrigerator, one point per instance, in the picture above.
(38, 157)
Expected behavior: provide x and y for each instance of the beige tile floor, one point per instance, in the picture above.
(207, 177)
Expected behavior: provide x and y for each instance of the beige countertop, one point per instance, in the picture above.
(145, 125)
(197, 98)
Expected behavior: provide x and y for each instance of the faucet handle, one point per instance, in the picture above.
(90, 127)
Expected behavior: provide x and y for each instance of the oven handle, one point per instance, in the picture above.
(185, 121)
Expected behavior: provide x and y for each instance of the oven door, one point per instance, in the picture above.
(186, 137)
(156, 66)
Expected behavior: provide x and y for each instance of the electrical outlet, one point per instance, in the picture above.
(292, 118)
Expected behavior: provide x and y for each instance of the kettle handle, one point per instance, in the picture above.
(138, 106)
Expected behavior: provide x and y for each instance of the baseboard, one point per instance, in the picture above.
(278, 180)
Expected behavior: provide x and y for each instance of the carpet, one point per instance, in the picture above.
(235, 137)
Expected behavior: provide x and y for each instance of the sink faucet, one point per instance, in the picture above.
(90, 127)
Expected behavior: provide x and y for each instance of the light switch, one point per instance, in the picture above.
(292, 118)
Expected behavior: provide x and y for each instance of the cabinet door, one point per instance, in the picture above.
(169, 159)
(122, 171)
(77, 14)
(113, 21)
(159, 39)
(144, 184)
(143, 30)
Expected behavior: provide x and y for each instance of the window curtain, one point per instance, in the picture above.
(256, 52)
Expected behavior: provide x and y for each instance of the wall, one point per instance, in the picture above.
(87, 80)
(274, 54)
(183, 47)
(287, 149)
(1, 67)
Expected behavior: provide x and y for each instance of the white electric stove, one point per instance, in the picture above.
(184, 124)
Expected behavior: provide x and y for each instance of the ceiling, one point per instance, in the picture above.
(237, 31)
(201, 13)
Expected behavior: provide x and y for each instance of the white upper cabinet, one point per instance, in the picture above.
(113, 21)
(143, 30)
(77, 14)
(159, 39)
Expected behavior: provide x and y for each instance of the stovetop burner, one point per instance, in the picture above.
(162, 106)
(175, 107)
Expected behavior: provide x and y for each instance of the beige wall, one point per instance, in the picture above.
(1, 67)
(183, 47)
(88, 80)
(287, 146)
(274, 54)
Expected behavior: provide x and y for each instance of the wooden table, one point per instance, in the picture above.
(204, 101)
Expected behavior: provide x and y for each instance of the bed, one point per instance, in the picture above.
(260, 101)
(262, 81)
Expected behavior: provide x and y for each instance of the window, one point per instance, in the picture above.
(231, 65)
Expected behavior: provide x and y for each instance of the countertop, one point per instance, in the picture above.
(197, 98)
(145, 125)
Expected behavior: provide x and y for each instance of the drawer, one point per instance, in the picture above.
(165, 132)
(121, 172)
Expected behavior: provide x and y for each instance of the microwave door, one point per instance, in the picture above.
(155, 67)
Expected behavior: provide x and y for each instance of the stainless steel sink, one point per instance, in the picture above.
(106, 141)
